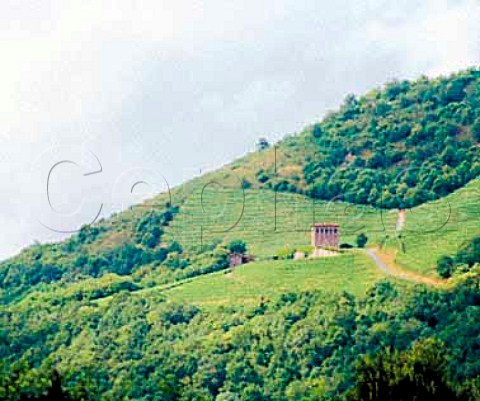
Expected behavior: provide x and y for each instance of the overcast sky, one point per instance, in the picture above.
(159, 89)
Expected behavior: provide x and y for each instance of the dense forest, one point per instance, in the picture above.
(466, 258)
(95, 317)
(403, 145)
(302, 346)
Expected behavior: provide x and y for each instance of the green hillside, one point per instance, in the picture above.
(143, 306)
(269, 279)
(439, 228)
(270, 222)
(399, 146)
(267, 221)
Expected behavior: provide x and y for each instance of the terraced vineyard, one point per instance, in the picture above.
(270, 221)
(438, 228)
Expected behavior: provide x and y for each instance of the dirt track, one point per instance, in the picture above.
(386, 263)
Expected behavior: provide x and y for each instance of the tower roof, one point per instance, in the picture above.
(325, 225)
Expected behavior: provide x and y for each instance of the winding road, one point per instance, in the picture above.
(386, 264)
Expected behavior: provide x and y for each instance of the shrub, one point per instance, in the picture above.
(361, 240)
(262, 177)
(476, 129)
(445, 266)
(286, 253)
(317, 131)
(469, 254)
(263, 144)
(415, 374)
(237, 246)
(246, 184)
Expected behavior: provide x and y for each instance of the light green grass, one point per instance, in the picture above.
(267, 221)
(249, 283)
(439, 228)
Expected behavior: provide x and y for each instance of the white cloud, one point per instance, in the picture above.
(437, 38)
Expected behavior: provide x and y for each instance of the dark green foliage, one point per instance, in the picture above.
(317, 131)
(123, 338)
(262, 177)
(221, 263)
(398, 147)
(88, 234)
(445, 266)
(262, 144)
(476, 129)
(46, 264)
(114, 289)
(417, 374)
(306, 344)
(382, 291)
(54, 392)
(175, 247)
(468, 255)
(178, 314)
(21, 383)
(123, 260)
(284, 186)
(245, 183)
(361, 240)
(237, 246)
(176, 262)
(148, 232)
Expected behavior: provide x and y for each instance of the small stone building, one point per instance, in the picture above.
(237, 259)
(325, 235)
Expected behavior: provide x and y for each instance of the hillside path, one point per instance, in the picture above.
(379, 262)
(385, 262)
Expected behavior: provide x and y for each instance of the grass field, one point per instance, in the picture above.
(270, 221)
(249, 283)
(438, 228)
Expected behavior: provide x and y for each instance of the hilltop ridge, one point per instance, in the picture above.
(401, 145)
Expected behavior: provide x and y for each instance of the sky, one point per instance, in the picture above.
(98, 95)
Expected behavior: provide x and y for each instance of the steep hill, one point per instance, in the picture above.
(143, 305)
(398, 146)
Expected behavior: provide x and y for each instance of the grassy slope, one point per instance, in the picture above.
(269, 222)
(267, 279)
(431, 230)
(439, 228)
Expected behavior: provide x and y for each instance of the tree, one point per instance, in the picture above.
(476, 129)
(469, 254)
(237, 246)
(317, 131)
(445, 266)
(361, 240)
(417, 374)
(246, 184)
(262, 144)
(228, 396)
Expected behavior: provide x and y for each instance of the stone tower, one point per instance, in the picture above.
(326, 235)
